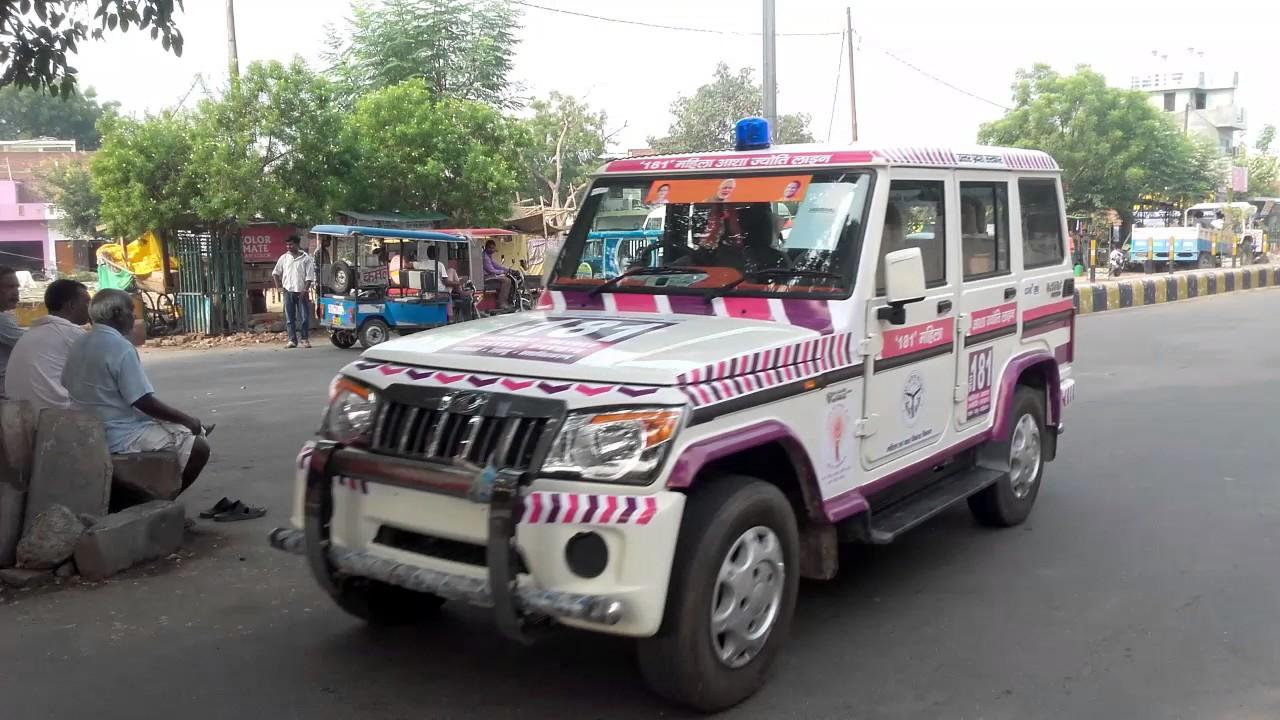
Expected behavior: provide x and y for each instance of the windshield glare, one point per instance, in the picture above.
(758, 234)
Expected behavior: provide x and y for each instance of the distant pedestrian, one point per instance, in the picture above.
(295, 273)
(35, 366)
(9, 330)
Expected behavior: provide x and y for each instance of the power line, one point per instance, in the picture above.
(835, 94)
(680, 28)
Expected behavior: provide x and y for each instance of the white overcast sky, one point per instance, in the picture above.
(633, 73)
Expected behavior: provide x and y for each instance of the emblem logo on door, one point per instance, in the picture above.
(912, 398)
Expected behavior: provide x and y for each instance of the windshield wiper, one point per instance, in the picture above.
(768, 274)
(638, 272)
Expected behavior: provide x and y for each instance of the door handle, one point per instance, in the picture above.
(1010, 293)
(944, 306)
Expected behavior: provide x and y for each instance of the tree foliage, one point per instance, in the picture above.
(70, 189)
(1264, 167)
(704, 121)
(269, 148)
(143, 174)
(417, 153)
(567, 140)
(38, 36)
(460, 49)
(28, 114)
(1112, 145)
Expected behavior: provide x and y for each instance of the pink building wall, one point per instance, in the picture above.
(24, 223)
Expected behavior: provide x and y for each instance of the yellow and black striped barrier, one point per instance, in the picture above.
(1154, 289)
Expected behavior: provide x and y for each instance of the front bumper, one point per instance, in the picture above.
(516, 535)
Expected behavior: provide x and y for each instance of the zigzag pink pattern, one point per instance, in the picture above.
(787, 364)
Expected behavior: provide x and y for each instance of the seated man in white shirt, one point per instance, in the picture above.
(35, 365)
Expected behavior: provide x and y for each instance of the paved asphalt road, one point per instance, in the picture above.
(1145, 585)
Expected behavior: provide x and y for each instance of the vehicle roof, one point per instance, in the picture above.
(1219, 205)
(824, 155)
(478, 232)
(387, 233)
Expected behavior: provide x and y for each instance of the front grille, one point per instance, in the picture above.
(489, 429)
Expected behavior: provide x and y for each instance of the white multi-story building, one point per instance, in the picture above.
(1200, 101)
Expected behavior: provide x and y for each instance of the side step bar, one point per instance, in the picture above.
(887, 524)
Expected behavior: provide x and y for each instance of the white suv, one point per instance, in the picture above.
(663, 454)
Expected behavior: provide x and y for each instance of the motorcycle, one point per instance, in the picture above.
(1115, 263)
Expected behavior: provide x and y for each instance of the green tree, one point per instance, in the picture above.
(70, 188)
(143, 174)
(37, 36)
(270, 147)
(461, 49)
(416, 153)
(1264, 167)
(704, 121)
(1112, 145)
(566, 144)
(27, 114)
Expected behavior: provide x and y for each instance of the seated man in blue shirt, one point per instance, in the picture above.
(104, 375)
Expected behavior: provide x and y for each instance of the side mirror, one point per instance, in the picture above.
(904, 284)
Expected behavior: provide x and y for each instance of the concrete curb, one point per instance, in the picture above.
(1156, 289)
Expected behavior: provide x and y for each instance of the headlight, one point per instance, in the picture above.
(351, 411)
(625, 446)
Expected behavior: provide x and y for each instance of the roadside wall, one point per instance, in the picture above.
(1154, 289)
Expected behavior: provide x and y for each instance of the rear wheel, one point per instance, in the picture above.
(731, 598)
(373, 332)
(1008, 502)
(380, 604)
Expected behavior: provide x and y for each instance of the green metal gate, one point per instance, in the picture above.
(211, 285)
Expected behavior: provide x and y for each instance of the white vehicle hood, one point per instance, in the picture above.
(644, 349)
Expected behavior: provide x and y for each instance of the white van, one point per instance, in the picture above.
(663, 454)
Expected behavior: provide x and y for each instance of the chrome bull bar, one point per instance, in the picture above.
(513, 604)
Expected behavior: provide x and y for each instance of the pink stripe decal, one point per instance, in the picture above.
(650, 509)
(636, 303)
(1050, 309)
(748, 308)
(994, 318)
(535, 508)
(904, 341)
(571, 512)
(610, 507)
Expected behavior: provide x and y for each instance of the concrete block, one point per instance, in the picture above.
(17, 440)
(72, 466)
(50, 539)
(13, 577)
(121, 540)
(152, 475)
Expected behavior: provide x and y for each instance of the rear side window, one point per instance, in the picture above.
(1041, 223)
(915, 218)
(984, 228)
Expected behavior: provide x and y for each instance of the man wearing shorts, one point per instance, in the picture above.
(104, 375)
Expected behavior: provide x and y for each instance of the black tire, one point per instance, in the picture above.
(1204, 261)
(373, 332)
(383, 605)
(680, 662)
(341, 278)
(342, 338)
(1007, 503)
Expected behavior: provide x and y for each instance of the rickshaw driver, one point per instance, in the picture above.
(495, 271)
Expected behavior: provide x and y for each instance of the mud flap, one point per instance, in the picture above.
(505, 508)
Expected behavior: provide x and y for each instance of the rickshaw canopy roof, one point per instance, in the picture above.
(349, 230)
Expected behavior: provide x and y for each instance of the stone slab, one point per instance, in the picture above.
(152, 475)
(17, 440)
(72, 466)
(121, 540)
(14, 577)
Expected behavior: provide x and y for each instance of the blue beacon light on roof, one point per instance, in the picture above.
(751, 133)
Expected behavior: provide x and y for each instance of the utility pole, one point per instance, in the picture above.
(770, 68)
(233, 58)
(853, 86)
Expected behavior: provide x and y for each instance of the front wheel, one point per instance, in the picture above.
(731, 598)
(373, 332)
(1008, 502)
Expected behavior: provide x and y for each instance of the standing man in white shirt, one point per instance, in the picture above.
(9, 330)
(295, 273)
(35, 366)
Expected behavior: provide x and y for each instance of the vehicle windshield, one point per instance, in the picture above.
(747, 234)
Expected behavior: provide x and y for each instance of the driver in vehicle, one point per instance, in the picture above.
(497, 274)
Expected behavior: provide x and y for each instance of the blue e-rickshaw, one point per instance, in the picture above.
(374, 281)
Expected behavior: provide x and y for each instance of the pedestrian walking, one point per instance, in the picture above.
(295, 274)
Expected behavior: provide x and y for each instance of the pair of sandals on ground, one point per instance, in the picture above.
(228, 510)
